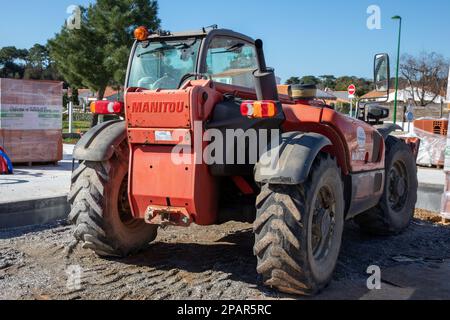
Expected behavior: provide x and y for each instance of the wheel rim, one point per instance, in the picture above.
(323, 223)
(398, 186)
(123, 204)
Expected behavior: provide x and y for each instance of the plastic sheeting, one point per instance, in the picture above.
(31, 120)
(30, 105)
(445, 211)
(432, 148)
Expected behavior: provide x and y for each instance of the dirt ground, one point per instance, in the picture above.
(217, 263)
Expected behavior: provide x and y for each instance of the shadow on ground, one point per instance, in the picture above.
(414, 265)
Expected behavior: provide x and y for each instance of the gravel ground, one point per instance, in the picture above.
(216, 262)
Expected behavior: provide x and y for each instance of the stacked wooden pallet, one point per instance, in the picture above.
(31, 120)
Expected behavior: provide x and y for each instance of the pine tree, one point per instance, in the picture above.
(96, 55)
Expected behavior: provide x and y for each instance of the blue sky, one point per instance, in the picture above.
(301, 37)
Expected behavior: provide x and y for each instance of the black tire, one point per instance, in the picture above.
(286, 230)
(395, 210)
(100, 209)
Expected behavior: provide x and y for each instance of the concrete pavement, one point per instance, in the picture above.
(37, 182)
(36, 195)
(431, 188)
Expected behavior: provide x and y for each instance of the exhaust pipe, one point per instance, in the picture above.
(265, 82)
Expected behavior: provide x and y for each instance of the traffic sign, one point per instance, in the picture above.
(351, 90)
(351, 96)
(410, 116)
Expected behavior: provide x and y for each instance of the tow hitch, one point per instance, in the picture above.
(168, 216)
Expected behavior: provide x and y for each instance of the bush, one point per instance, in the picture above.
(82, 117)
(343, 108)
(85, 117)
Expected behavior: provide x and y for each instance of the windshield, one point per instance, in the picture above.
(162, 65)
(232, 61)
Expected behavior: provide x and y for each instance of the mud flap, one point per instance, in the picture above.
(98, 144)
(290, 161)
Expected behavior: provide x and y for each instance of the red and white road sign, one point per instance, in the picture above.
(351, 90)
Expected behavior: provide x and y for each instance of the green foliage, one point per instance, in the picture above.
(12, 62)
(39, 64)
(72, 141)
(328, 81)
(293, 80)
(363, 86)
(96, 55)
(77, 125)
(79, 117)
(343, 108)
(86, 117)
(303, 80)
(74, 98)
(34, 63)
(309, 80)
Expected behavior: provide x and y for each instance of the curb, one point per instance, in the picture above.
(429, 197)
(33, 212)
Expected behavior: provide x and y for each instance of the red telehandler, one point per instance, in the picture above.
(197, 106)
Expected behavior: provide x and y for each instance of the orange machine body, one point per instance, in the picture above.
(160, 120)
(155, 180)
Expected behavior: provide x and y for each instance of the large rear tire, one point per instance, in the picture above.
(395, 210)
(100, 209)
(299, 230)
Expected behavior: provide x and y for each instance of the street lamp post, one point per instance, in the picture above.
(398, 66)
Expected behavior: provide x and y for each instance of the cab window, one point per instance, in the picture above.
(232, 61)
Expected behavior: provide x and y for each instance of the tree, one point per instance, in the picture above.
(34, 63)
(303, 80)
(39, 64)
(426, 75)
(363, 86)
(96, 55)
(328, 81)
(12, 62)
(309, 80)
(293, 80)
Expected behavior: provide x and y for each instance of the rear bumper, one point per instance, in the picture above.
(156, 180)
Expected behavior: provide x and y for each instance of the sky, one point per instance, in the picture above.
(300, 37)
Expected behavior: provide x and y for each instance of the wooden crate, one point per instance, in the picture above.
(31, 120)
(32, 146)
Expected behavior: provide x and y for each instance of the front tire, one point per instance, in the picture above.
(299, 230)
(100, 209)
(396, 208)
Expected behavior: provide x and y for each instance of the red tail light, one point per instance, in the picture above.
(107, 107)
(259, 109)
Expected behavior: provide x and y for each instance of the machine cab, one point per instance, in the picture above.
(167, 61)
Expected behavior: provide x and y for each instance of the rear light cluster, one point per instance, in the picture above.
(259, 109)
(107, 107)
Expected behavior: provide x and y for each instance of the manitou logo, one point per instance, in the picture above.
(158, 107)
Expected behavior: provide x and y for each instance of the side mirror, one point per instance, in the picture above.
(377, 113)
(382, 73)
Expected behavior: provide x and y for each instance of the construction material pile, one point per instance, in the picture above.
(433, 136)
(31, 120)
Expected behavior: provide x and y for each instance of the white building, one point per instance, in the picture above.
(404, 95)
